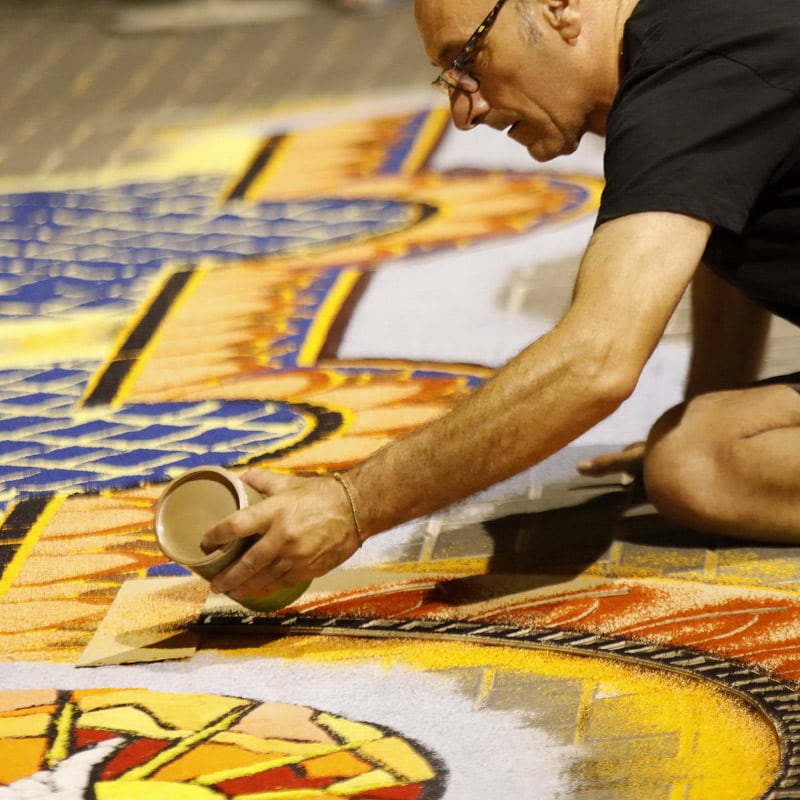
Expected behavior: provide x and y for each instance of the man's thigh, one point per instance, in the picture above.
(732, 414)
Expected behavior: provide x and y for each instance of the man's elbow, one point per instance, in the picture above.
(609, 378)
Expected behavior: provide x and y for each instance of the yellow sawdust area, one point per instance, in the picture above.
(152, 790)
(664, 726)
(138, 711)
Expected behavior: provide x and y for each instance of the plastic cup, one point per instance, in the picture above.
(193, 503)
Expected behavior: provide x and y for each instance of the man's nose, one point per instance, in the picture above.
(467, 108)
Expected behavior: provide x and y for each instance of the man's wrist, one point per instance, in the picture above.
(349, 490)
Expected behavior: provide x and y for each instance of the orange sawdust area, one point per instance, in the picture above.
(258, 328)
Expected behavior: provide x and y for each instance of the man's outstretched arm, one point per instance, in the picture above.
(631, 278)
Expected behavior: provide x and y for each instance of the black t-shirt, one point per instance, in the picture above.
(707, 123)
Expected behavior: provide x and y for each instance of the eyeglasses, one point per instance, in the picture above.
(455, 76)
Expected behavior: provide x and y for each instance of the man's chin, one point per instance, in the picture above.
(538, 154)
(543, 151)
(542, 148)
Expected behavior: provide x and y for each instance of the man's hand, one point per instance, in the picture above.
(305, 526)
(630, 461)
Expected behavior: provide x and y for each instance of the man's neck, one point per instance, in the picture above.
(610, 18)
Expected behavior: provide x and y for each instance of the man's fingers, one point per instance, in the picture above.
(238, 525)
(602, 465)
(272, 579)
(269, 483)
(629, 460)
(260, 558)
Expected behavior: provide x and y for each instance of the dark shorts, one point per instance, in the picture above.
(792, 380)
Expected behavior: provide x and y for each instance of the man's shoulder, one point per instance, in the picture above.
(762, 37)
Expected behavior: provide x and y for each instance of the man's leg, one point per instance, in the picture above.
(729, 463)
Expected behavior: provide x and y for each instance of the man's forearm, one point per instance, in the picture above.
(533, 406)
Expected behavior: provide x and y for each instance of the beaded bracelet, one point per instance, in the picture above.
(348, 488)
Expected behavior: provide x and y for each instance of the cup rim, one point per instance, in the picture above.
(218, 473)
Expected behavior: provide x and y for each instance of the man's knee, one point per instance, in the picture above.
(679, 460)
(699, 461)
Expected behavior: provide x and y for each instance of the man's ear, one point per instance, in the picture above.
(565, 17)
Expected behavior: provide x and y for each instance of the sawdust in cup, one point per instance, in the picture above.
(193, 503)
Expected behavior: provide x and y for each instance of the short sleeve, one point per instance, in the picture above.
(702, 136)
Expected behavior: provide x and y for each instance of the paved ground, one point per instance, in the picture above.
(84, 79)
